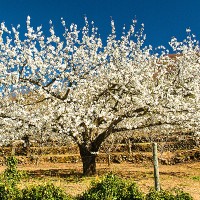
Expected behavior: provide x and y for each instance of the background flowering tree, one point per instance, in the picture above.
(89, 91)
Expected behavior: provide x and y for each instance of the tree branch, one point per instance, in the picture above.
(100, 138)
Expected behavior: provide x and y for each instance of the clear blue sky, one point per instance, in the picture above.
(162, 18)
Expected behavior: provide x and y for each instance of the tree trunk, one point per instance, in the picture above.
(89, 160)
(26, 139)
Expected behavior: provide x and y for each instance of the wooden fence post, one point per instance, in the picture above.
(129, 146)
(155, 164)
(109, 160)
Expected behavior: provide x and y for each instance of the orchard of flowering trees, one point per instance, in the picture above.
(74, 85)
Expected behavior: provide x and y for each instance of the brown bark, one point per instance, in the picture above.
(26, 139)
(88, 160)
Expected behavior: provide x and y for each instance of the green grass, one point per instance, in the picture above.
(196, 178)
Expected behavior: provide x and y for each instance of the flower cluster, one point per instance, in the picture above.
(73, 85)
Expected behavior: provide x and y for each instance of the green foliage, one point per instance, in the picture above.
(9, 192)
(11, 175)
(111, 187)
(196, 178)
(168, 195)
(133, 192)
(9, 179)
(44, 192)
(158, 195)
(181, 195)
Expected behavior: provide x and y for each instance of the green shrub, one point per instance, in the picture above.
(168, 195)
(44, 192)
(9, 179)
(8, 192)
(133, 193)
(11, 175)
(111, 187)
(181, 195)
(158, 195)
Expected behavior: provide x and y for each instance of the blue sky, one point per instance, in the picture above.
(162, 18)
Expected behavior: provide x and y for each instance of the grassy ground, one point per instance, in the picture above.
(68, 175)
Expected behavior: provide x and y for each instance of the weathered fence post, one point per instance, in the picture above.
(109, 160)
(155, 164)
(129, 146)
(13, 147)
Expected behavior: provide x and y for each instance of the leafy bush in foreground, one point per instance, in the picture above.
(9, 179)
(44, 192)
(8, 192)
(168, 195)
(11, 175)
(112, 187)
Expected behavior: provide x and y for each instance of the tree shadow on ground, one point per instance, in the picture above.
(62, 173)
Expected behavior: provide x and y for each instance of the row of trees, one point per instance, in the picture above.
(74, 85)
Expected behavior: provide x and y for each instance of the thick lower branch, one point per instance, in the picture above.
(101, 138)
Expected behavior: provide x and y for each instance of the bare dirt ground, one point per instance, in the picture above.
(68, 175)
